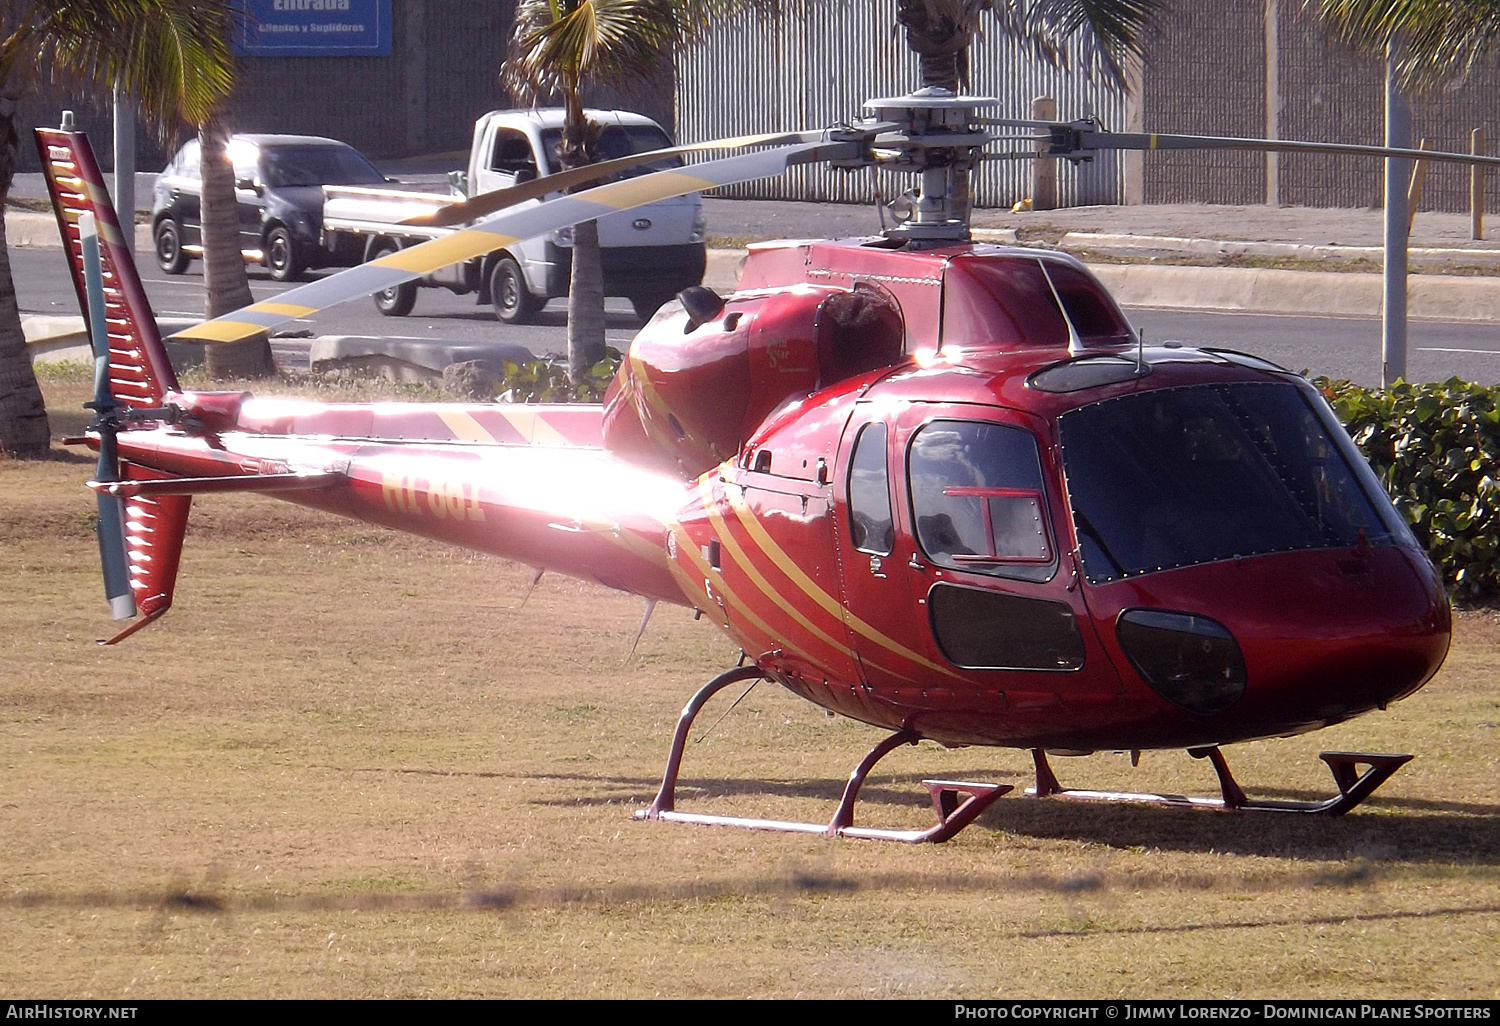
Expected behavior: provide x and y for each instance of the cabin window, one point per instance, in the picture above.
(617, 141)
(977, 496)
(870, 523)
(513, 153)
(1014, 302)
(188, 160)
(987, 630)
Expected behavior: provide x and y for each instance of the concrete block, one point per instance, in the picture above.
(415, 360)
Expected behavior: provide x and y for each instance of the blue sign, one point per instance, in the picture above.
(316, 28)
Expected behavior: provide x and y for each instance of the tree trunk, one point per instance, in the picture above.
(585, 303)
(224, 280)
(586, 283)
(939, 34)
(23, 415)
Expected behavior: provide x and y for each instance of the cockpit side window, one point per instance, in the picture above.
(977, 498)
(871, 527)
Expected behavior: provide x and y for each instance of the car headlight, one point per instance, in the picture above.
(562, 236)
(1191, 661)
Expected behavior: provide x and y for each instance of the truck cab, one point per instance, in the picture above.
(649, 254)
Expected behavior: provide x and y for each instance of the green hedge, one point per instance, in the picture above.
(1436, 447)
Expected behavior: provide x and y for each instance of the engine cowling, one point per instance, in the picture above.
(688, 394)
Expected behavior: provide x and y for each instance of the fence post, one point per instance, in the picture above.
(1476, 185)
(1044, 169)
(1414, 193)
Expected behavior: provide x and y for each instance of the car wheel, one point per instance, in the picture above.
(397, 300)
(282, 258)
(645, 307)
(169, 254)
(514, 303)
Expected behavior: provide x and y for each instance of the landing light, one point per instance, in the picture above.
(1191, 661)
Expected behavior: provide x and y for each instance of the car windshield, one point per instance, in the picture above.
(621, 141)
(283, 166)
(1181, 476)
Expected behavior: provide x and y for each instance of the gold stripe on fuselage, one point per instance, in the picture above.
(746, 563)
(465, 428)
(810, 588)
(694, 588)
(533, 427)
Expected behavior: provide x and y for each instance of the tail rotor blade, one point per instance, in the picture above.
(112, 554)
(507, 228)
(111, 527)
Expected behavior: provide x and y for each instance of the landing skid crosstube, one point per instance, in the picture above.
(958, 803)
(1354, 786)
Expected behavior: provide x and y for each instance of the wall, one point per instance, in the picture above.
(423, 99)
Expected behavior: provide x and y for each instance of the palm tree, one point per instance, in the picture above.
(559, 47)
(1438, 40)
(171, 55)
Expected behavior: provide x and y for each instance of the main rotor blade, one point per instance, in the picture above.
(1079, 139)
(505, 229)
(499, 199)
(1159, 141)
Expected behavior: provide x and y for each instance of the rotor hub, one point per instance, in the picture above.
(937, 138)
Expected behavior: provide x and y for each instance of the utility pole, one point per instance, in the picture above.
(125, 166)
(1397, 222)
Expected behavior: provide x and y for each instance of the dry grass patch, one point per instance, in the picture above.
(351, 763)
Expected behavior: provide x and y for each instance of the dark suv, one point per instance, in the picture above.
(279, 183)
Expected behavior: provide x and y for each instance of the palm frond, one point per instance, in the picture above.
(173, 56)
(1099, 36)
(1436, 41)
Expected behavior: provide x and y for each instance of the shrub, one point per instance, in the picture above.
(542, 381)
(1435, 447)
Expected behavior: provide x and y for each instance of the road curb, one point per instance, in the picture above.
(27, 229)
(1239, 289)
(1311, 293)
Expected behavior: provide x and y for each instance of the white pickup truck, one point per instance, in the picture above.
(649, 253)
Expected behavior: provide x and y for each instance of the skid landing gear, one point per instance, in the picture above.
(1354, 786)
(953, 814)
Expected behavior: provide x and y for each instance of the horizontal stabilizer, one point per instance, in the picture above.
(217, 485)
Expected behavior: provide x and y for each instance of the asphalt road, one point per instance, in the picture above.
(1338, 347)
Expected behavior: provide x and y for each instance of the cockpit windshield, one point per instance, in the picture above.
(1182, 476)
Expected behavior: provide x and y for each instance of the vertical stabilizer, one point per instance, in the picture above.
(139, 373)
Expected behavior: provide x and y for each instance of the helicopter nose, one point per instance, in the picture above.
(1282, 643)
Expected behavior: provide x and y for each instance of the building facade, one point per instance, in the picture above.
(1217, 67)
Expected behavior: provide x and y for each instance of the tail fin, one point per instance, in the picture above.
(140, 535)
(154, 526)
(140, 375)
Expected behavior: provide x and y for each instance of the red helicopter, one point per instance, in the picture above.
(939, 487)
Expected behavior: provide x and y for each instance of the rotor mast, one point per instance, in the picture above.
(937, 138)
